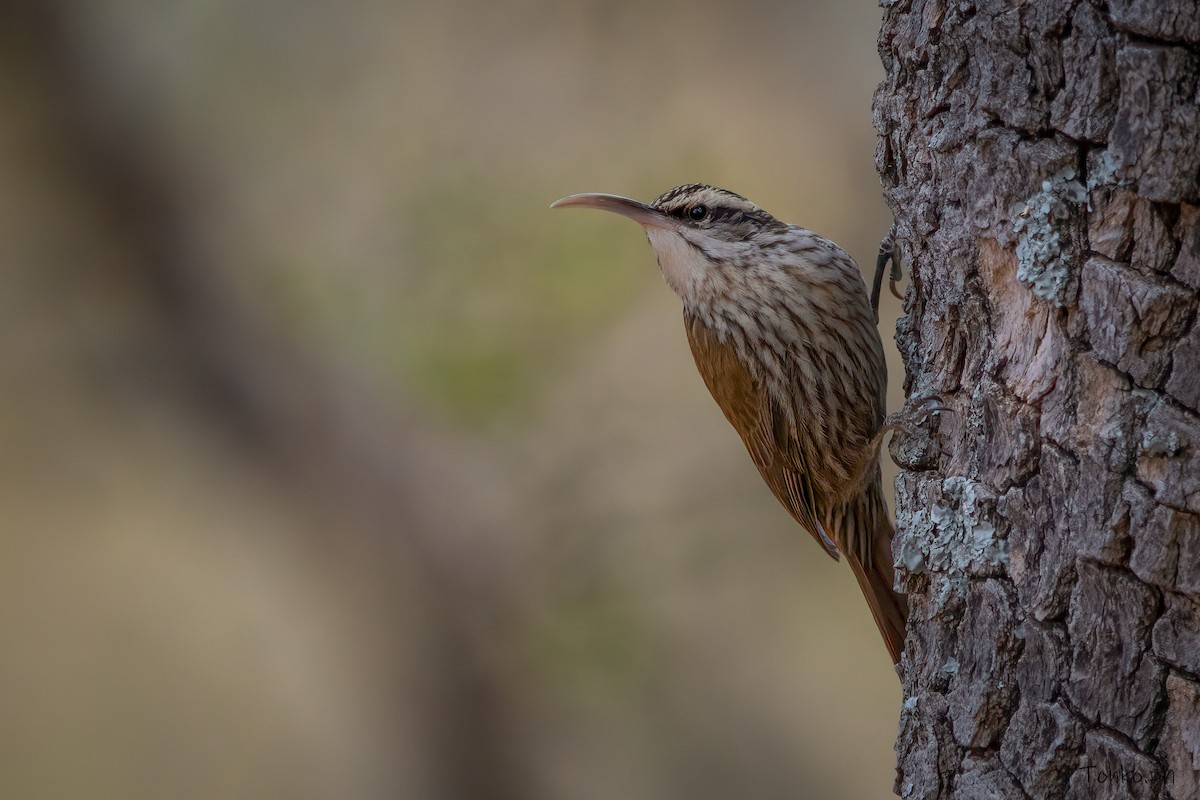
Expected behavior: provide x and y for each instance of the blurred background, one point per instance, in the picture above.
(334, 465)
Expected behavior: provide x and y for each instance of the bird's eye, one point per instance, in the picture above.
(698, 213)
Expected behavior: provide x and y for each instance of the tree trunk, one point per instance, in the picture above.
(1043, 163)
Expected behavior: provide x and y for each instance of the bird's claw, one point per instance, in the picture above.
(894, 277)
(887, 252)
(910, 418)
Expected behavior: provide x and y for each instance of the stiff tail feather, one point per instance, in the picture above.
(888, 607)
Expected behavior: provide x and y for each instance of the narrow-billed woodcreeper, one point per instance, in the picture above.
(786, 340)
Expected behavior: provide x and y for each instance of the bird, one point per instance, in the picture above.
(786, 340)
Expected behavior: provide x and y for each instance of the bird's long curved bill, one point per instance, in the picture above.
(637, 211)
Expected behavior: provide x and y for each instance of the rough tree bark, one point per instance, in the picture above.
(1043, 163)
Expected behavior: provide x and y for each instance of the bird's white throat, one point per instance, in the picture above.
(683, 266)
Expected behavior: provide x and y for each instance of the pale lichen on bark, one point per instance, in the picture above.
(1043, 163)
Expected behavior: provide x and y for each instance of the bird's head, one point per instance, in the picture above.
(705, 238)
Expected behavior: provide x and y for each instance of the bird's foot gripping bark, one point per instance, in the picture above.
(906, 422)
(909, 419)
(887, 252)
(916, 446)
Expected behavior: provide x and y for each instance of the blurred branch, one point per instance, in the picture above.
(308, 424)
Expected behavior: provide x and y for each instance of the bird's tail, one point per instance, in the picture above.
(888, 607)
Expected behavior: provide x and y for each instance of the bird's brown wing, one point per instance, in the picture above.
(762, 426)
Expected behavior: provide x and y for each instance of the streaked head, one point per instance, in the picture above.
(696, 231)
